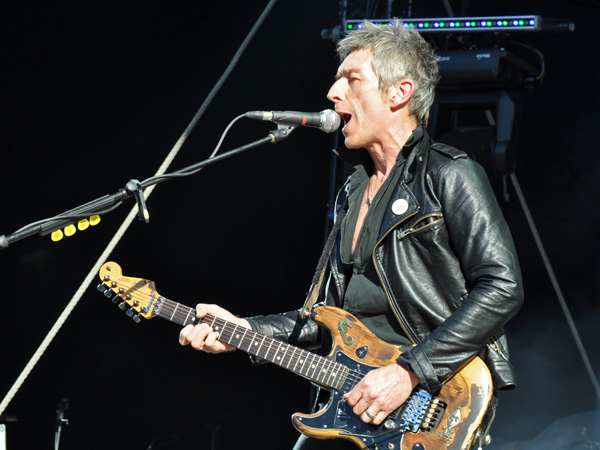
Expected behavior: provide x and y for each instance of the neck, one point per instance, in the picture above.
(385, 153)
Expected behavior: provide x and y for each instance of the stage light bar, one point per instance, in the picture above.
(460, 24)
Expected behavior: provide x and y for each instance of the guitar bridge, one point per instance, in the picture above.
(420, 412)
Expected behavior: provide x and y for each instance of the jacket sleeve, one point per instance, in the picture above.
(481, 240)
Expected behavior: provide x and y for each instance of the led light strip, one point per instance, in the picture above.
(461, 24)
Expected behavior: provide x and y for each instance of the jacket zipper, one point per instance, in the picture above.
(414, 228)
(495, 345)
(387, 294)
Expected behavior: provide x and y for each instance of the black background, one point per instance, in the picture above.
(95, 94)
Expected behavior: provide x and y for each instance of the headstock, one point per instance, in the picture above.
(136, 296)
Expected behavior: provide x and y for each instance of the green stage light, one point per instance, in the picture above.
(460, 24)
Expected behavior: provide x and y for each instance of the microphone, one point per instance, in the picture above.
(326, 121)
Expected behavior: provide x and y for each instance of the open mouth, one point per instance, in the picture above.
(345, 117)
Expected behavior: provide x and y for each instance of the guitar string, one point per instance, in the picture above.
(171, 308)
(298, 357)
(301, 357)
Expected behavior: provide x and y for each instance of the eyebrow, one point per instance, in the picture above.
(347, 72)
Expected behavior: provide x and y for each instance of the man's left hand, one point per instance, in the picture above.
(381, 392)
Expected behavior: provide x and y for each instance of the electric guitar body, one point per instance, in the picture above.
(449, 420)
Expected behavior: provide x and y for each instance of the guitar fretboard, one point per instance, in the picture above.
(318, 369)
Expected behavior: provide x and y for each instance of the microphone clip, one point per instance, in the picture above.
(135, 187)
(283, 131)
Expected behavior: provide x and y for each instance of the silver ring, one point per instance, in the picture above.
(369, 415)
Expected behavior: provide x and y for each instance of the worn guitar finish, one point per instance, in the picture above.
(450, 420)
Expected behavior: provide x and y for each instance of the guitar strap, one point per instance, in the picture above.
(319, 276)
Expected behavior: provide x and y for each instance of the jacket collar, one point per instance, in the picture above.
(403, 203)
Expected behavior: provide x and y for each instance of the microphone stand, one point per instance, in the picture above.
(60, 420)
(134, 188)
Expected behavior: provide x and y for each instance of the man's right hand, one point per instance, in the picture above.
(202, 337)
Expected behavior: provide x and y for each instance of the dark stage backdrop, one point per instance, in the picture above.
(95, 94)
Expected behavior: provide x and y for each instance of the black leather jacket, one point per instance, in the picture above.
(447, 262)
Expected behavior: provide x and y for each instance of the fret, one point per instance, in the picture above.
(209, 320)
(316, 365)
(255, 344)
(176, 315)
(341, 377)
(266, 355)
(231, 336)
(297, 360)
(334, 369)
(284, 353)
(242, 339)
(305, 357)
(233, 339)
(219, 328)
(272, 352)
(276, 353)
(332, 372)
(310, 360)
(302, 370)
(319, 371)
(275, 357)
(323, 370)
(250, 345)
(290, 358)
(187, 317)
(259, 346)
(174, 311)
(190, 317)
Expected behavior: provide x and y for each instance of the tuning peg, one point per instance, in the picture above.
(136, 318)
(115, 299)
(123, 306)
(106, 291)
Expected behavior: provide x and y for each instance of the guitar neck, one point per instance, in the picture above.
(315, 368)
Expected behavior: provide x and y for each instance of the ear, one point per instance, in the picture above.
(401, 92)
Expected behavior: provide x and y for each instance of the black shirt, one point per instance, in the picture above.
(365, 297)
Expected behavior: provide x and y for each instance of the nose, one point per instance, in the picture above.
(335, 93)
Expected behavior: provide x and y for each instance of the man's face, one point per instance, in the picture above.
(359, 101)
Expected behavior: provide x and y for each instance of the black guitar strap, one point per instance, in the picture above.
(319, 276)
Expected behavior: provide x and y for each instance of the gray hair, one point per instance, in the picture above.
(398, 53)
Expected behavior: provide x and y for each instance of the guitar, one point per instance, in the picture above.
(450, 420)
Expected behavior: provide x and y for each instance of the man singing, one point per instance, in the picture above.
(422, 256)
